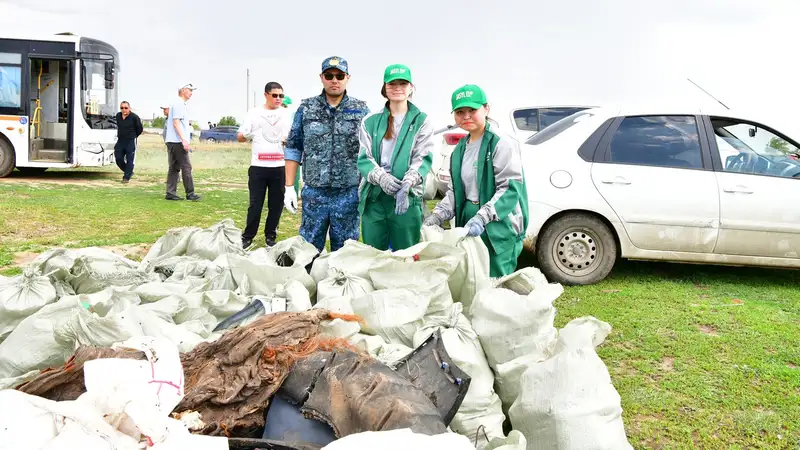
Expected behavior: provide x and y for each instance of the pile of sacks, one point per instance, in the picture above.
(548, 384)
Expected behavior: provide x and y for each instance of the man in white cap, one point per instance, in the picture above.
(177, 139)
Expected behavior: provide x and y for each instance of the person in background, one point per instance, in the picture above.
(129, 128)
(165, 109)
(324, 137)
(267, 127)
(487, 193)
(286, 102)
(178, 145)
(395, 157)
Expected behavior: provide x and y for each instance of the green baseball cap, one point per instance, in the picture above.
(468, 96)
(397, 72)
(287, 100)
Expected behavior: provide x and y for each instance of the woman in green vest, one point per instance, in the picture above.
(487, 193)
(394, 159)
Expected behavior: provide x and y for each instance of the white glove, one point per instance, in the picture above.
(290, 199)
(386, 181)
(433, 220)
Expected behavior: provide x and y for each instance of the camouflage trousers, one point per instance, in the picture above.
(330, 209)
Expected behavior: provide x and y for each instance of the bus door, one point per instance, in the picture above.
(52, 90)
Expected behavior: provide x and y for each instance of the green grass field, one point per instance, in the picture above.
(702, 356)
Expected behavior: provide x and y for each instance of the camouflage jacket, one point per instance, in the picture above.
(324, 139)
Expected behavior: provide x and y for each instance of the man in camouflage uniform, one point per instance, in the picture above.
(324, 137)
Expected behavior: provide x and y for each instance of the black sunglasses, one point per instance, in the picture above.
(277, 95)
(339, 76)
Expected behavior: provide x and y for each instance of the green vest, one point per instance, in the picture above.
(401, 157)
(501, 234)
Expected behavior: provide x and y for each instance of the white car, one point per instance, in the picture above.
(525, 122)
(670, 185)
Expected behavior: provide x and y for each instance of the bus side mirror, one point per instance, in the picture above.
(109, 74)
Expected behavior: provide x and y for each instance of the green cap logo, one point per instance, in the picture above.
(397, 72)
(468, 96)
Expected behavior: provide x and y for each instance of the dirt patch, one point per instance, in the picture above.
(622, 369)
(131, 251)
(222, 184)
(791, 365)
(22, 259)
(39, 182)
(708, 329)
(668, 364)
(642, 418)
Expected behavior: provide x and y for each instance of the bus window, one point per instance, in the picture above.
(11, 80)
(10, 87)
(99, 66)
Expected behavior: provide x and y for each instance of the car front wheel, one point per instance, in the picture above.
(576, 249)
(211, 140)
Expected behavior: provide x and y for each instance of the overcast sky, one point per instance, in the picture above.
(521, 52)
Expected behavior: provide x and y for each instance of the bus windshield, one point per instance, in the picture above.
(99, 70)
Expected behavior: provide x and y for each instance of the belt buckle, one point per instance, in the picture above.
(475, 203)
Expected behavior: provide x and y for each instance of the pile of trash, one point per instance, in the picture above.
(231, 326)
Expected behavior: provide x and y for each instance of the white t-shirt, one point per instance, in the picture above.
(268, 128)
(387, 145)
(469, 170)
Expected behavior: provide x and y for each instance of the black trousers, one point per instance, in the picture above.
(124, 154)
(259, 181)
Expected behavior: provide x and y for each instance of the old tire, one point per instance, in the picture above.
(576, 249)
(211, 141)
(7, 158)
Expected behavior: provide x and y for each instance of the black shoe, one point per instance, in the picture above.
(271, 242)
(193, 197)
(246, 243)
(172, 197)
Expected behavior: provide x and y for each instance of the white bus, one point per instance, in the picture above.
(58, 101)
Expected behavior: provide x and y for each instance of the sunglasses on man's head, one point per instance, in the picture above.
(277, 95)
(330, 76)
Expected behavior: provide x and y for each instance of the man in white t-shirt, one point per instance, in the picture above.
(267, 127)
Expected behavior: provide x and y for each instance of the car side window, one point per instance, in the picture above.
(746, 147)
(527, 119)
(662, 141)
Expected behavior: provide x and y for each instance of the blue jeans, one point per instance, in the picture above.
(124, 155)
(330, 208)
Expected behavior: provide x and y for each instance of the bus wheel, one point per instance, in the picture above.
(7, 158)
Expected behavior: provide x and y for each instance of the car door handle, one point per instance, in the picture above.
(739, 189)
(616, 180)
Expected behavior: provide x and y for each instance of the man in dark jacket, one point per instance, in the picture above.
(129, 127)
(324, 138)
